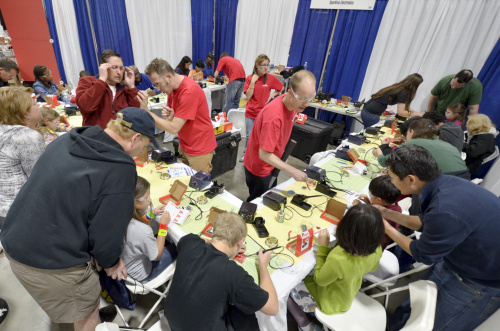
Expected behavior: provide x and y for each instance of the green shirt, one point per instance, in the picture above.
(448, 158)
(338, 276)
(470, 94)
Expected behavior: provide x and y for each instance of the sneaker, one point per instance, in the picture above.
(4, 310)
(241, 160)
(108, 313)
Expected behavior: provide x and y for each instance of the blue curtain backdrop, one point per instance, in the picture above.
(202, 22)
(225, 27)
(49, 14)
(490, 103)
(109, 18)
(311, 35)
(350, 53)
(90, 61)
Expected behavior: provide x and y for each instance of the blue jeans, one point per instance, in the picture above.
(167, 257)
(248, 129)
(461, 304)
(233, 95)
(369, 119)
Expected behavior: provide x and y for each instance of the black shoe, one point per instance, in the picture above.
(4, 310)
(108, 313)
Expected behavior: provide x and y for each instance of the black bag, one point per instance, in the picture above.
(289, 73)
(115, 291)
(338, 132)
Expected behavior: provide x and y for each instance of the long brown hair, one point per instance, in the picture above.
(141, 188)
(410, 84)
(261, 58)
(460, 110)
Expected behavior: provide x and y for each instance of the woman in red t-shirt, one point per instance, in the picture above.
(258, 88)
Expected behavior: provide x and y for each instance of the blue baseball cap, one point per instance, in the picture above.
(140, 121)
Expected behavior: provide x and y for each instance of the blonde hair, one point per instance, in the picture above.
(15, 102)
(47, 114)
(478, 123)
(229, 228)
(117, 127)
(261, 58)
(299, 76)
(160, 66)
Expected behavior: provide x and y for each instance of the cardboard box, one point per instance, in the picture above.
(219, 129)
(334, 211)
(142, 158)
(302, 243)
(176, 192)
(353, 154)
(212, 216)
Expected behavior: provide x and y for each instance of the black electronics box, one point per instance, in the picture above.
(219, 81)
(371, 130)
(202, 84)
(247, 211)
(324, 97)
(341, 153)
(274, 200)
(300, 201)
(388, 123)
(163, 154)
(357, 139)
(311, 137)
(200, 180)
(316, 173)
(323, 188)
(225, 155)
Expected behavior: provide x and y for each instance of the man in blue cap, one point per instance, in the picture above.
(73, 213)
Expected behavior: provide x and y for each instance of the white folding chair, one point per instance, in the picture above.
(405, 205)
(365, 314)
(423, 296)
(136, 287)
(237, 116)
(388, 267)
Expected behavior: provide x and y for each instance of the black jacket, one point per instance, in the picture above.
(76, 204)
(479, 147)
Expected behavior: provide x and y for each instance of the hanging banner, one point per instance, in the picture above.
(343, 4)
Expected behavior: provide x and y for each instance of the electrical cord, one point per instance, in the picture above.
(275, 254)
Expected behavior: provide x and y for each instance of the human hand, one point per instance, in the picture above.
(159, 209)
(398, 141)
(299, 175)
(129, 77)
(264, 258)
(323, 237)
(382, 210)
(376, 152)
(165, 218)
(387, 140)
(168, 113)
(60, 87)
(142, 97)
(255, 77)
(103, 71)
(118, 271)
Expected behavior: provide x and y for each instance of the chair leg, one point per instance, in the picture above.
(386, 302)
(163, 296)
(121, 315)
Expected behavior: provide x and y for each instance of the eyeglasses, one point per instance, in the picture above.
(302, 100)
(396, 157)
(50, 74)
(264, 65)
(144, 198)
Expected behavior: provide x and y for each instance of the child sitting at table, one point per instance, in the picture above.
(197, 73)
(144, 255)
(339, 271)
(480, 143)
(456, 114)
(50, 125)
(384, 193)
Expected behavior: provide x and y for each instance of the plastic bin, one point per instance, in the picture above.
(311, 137)
(226, 153)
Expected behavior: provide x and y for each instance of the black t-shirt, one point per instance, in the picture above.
(379, 105)
(205, 281)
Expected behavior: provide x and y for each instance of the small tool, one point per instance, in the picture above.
(271, 249)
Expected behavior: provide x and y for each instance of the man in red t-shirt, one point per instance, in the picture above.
(236, 74)
(186, 114)
(271, 132)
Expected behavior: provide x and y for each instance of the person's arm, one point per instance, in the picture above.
(118, 271)
(402, 111)
(251, 86)
(399, 238)
(324, 270)
(381, 158)
(475, 147)
(272, 305)
(171, 124)
(473, 109)
(89, 93)
(432, 102)
(276, 162)
(216, 74)
(275, 94)
(162, 235)
(410, 221)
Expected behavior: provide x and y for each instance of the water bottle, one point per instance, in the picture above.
(271, 68)
(305, 66)
(66, 98)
